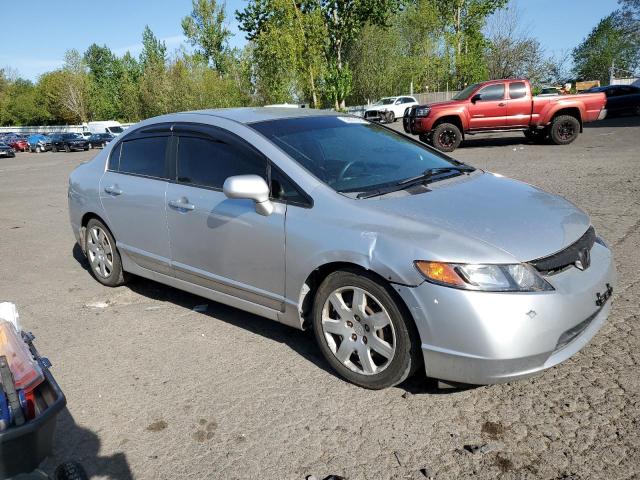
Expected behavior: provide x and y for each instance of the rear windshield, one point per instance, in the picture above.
(350, 154)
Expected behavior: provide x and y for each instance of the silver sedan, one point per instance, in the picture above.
(397, 256)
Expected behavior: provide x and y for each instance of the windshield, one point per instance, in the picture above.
(116, 129)
(71, 135)
(350, 154)
(385, 101)
(466, 93)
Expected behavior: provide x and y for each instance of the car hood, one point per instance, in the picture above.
(378, 107)
(514, 217)
(446, 103)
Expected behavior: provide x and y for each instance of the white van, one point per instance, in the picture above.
(109, 126)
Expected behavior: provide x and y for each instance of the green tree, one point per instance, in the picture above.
(105, 75)
(153, 82)
(205, 29)
(609, 44)
(462, 23)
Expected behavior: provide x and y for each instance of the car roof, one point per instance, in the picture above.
(249, 115)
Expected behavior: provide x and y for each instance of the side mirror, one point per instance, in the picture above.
(476, 98)
(251, 187)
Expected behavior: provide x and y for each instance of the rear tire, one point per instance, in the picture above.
(380, 325)
(104, 259)
(446, 137)
(564, 129)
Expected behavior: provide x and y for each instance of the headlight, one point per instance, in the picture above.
(422, 111)
(487, 278)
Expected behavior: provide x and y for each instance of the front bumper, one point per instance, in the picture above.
(485, 338)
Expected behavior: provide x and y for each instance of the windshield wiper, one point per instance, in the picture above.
(424, 177)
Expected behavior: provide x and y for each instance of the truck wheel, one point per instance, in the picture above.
(446, 137)
(537, 136)
(564, 129)
(426, 138)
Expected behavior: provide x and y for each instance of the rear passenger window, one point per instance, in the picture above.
(492, 92)
(144, 156)
(517, 90)
(208, 163)
(114, 158)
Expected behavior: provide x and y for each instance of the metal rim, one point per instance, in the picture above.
(100, 252)
(566, 130)
(447, 137)
(358, 330)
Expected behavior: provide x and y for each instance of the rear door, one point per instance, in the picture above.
(133, 192)
(489, 109)
(518, 105)
(216, 242)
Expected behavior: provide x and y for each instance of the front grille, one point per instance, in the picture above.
(567, 257)
(371, 114)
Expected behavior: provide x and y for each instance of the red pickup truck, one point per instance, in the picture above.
(503, 105)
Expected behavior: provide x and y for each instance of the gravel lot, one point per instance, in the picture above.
(158, 390)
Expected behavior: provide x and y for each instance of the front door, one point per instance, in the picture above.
(221, 243)
(489, 110)
(132, 192)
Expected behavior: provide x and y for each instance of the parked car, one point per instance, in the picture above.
(396, 256)
(109, 126)
(621, 99)
(39, 143)
(19, 144)
(100, 140)
(6, 150)
(86, 134)
(503, 105)
(68, 142)
(388, 109)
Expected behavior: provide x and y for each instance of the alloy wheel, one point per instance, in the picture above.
(100, 252)
(566, 130)
(447, 138)
(358, 330)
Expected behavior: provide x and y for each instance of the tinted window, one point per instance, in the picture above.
(144, 156)
(283, 189)
(492, 92)
(208, 163)
(517, 90)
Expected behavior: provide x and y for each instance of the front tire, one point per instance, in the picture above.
(446, 137)
(363, 332)
(564, 129)
(104, 259)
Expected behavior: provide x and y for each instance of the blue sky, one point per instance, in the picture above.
(34, 47)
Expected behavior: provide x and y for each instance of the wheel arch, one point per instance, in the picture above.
(571, 111)
(453, 119)
(320, 273)
(83, 226)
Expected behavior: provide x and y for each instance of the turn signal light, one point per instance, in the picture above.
(439, 272)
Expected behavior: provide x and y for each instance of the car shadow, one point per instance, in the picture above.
(301, 342)
(82, 445)
(615, 121)
(516, 138)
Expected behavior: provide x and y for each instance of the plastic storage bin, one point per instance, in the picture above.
(23, 448)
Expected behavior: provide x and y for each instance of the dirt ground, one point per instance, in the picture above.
(158, 390)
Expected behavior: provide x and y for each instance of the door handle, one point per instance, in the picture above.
(182, 204)
(113, 190)
(501, 104)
